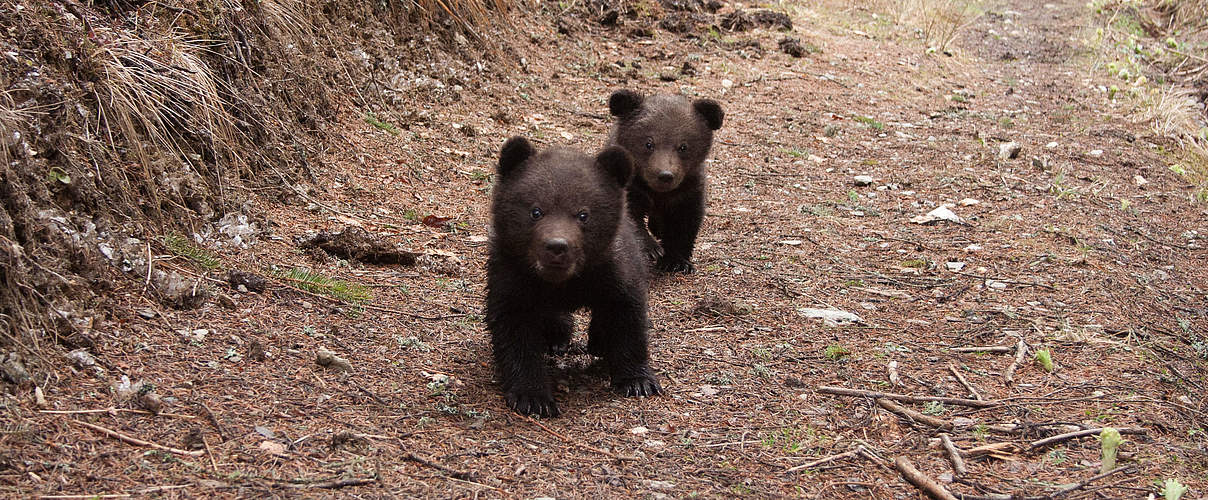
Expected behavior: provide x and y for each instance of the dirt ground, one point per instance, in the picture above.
(1085, 245)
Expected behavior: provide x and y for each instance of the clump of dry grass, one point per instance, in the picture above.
(1188, 14)
(158, 88)
(939, 21)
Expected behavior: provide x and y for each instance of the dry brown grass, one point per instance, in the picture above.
(1185, 14)
(940, 21)
(158, 90)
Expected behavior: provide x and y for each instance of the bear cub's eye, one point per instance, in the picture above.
(536, 213)
(683, 148)
(582, 216)
(649, 144)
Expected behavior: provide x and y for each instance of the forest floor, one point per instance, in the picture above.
(1085, 245)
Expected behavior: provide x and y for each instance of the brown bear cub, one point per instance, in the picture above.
(561, 242)
(669, 137)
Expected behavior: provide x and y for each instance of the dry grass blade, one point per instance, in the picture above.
(159, 88)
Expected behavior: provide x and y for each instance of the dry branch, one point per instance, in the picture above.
(921, 481)
(1077, 434)
(1021, 350)
(993, 348)
(858, 450)
(954, 456)
(843, 391)
(910, 414)
(136, 441)
(969, 387)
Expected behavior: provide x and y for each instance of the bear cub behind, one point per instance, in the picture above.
(669, 137)
(561, 242)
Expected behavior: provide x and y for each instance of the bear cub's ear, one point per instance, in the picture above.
(614, 161)
(624, 102)
(711, 111)
(513, 154)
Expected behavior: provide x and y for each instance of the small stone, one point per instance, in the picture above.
(973, 248)
(639, 430)
(147, 313)
(727, 83)
(954, 266)
(996, 285)
(862, 180)
(330, 360)
(1140, 181)
(1051, 145)
(968, 202)
(1009, 150)
(1095, 153)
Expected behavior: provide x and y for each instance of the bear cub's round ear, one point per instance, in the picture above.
(624, 102)
(614, 161)
(711, 111)
(513, 154)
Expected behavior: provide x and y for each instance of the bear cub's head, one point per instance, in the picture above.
(668, 135)
(558, 211)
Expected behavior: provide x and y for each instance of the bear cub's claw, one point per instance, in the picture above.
(639, 386)
(533, 403)
(676, 265)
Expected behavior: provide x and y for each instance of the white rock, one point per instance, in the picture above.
(973, 248)
(862, 180)
(830, 317)
(954, 266)
(968, 202)
(727, 83)
(654, 443)
(996, 285)
(791, 243)
(639, 430)
(941, 213)
(1051, 145)
(1140, 181)
(1096, 153)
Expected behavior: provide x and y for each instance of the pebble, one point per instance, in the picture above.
(1140, 181)
(1096, 153)
(862, 180)
(954, 266)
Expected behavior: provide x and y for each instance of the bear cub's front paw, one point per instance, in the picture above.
(539, 403)
(645, 385)
(670, 264)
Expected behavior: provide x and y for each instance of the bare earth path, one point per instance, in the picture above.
(1086, 245)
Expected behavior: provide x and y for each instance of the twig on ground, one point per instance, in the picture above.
(115, 410)
(328, 485)
(843, 391)
(858, 450)
(954, 456)
(961, 378)
(991, 349)
(921, 481)
(136, 441)
(214, 420)
(1077, 434)
(457, 474)
(912, 415)
(585, 446)
(1082, 484)
(1021, 351)
(1000, 451)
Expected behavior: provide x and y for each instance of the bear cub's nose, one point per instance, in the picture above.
(666, 176)
(556, 246)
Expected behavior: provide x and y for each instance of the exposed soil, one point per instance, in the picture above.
(1086, 244)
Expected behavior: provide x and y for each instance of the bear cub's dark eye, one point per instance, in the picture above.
(683, 148)
(582, 216)
(649, 144)
(536, 213)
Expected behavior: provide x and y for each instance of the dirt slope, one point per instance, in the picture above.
(1086, 245)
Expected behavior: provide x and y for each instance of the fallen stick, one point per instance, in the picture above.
(586, 446)
(954, 455)
(468, 476)
(858, 450)
(996, 450)
(1021, 350)
(136, 441)
(328, 485)
(1077, 434)
(912, 415)
(992, 349)
(843, 391)
(920, 480)
(1082, 484)
(115, 410)
(968, 387)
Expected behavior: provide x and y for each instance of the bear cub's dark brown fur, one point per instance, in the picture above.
(561, 242)
(669, 137)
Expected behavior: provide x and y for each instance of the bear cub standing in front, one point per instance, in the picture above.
(669, 137)
(561, 242)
